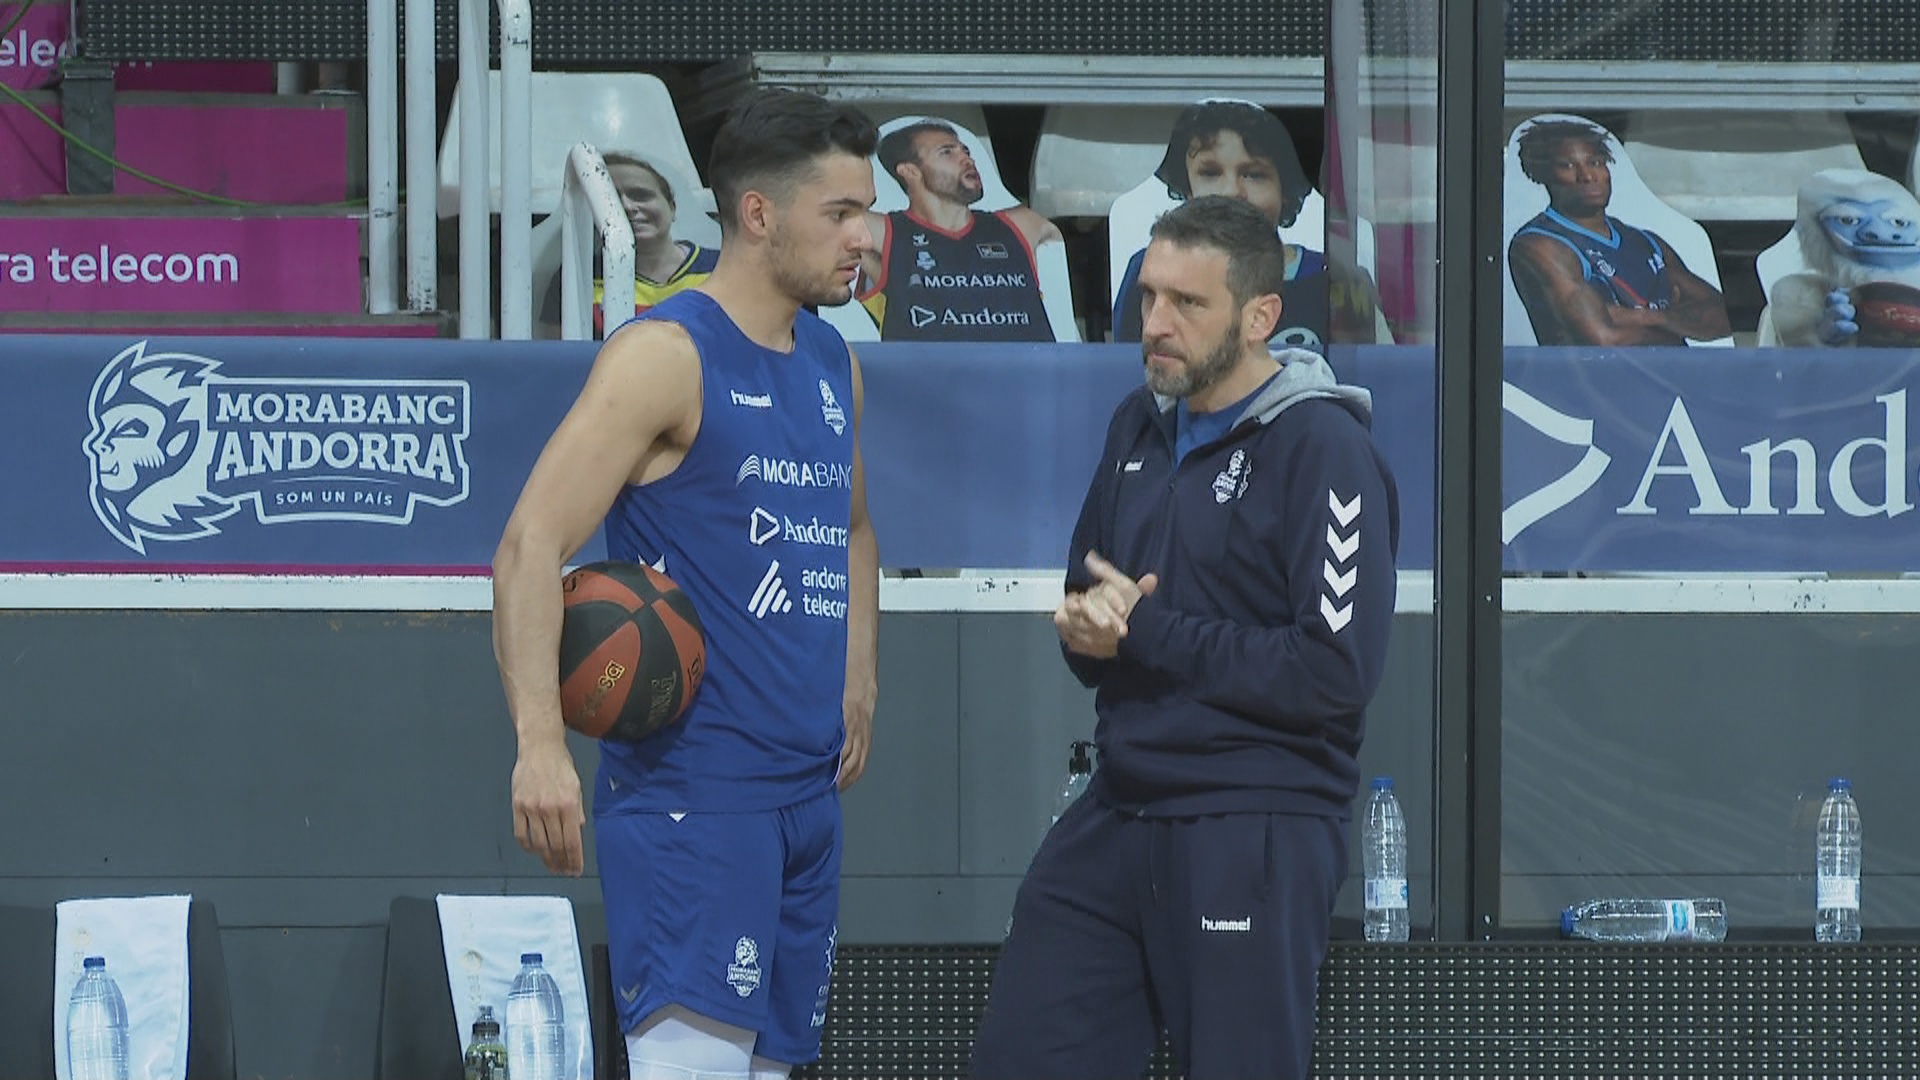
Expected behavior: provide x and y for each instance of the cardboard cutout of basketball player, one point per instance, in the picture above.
(956, 257)
(1593, 256)
(1848, 274)
(1229, 146)
(675, 243)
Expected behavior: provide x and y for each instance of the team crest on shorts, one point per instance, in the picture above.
(744, 973)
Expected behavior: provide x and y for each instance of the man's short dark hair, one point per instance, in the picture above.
(615, 157)
(897, 148)
(1256, 259)
(1262, 133)
(771, 140)
(1538, 143)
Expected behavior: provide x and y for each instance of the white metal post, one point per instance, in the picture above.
(590, 202)
(423, 237)
(383, 154)
(516, 170)
(476, 247)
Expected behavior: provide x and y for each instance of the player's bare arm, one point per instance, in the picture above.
(1548, 278)
(631, 422)
(870, 259)
(1699, 311)
(863, 610)
(1037, 229)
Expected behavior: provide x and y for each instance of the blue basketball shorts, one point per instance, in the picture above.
(733, 916)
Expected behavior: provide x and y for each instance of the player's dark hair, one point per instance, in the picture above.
(772, 141)
(897, 149)
(1538, 143)
(1264, 136)
(1256, 259)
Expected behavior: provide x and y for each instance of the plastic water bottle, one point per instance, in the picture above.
(486, 1054)
(1640, 920)
(1079, 774)
(96, 1026)
(536, 1023)
(1837, 867)
(1384, 851)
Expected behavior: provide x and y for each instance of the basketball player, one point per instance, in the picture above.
(1223, 147)
(1230, 588)
(1588, 278)
(944, 271)
(662, 265)
(716, 437)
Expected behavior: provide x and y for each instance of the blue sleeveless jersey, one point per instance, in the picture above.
(753, 528)
(1626, 268)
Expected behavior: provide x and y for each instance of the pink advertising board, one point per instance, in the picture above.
(30, 52)
(32, 162)
(266, 326)
(179, 264)
(295, 154)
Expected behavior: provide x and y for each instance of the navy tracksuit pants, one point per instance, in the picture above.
(1213, 927)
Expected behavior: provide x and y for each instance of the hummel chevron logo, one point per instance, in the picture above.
(1343, 513)
(1337, 617)
(1340, 582)
(1343, 546)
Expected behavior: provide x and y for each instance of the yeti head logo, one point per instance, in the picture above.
(830, 410)
(149, 448)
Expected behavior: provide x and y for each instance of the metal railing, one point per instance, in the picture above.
(475, 32)
(590, 203)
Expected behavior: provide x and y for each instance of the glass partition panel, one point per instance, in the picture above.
(1381, 176)
(1712, 299)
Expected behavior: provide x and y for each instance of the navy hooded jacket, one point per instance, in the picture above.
(1243, 680)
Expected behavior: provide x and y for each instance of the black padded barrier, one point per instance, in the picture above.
(1493, 1009)
(613, 35)
(595, 33)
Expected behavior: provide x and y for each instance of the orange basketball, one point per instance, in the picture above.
(1888, 314)
(632, 651)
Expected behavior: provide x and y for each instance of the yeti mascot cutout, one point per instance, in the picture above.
(1859, 239)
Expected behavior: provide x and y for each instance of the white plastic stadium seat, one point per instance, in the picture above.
(1090, 155)
(1736, 166)
(615, 111)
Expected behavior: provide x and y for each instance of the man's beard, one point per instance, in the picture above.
(960, 194)
(1194, 377)
(792, 277)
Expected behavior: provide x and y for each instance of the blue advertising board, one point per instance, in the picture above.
(276, 455)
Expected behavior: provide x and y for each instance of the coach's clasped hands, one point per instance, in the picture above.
(1092, 623)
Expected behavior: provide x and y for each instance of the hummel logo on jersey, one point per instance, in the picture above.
(1242, 925)
(830, 410)
(919, 239)
(752, 401)
(1338, 569)
(771, 596)
(762, 527)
